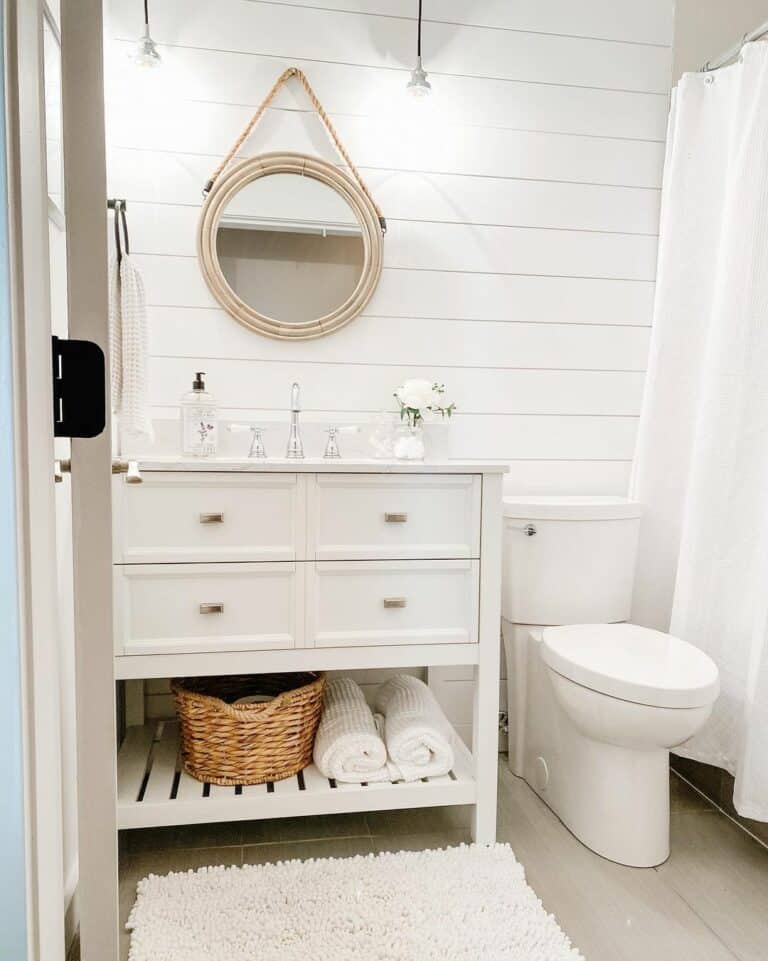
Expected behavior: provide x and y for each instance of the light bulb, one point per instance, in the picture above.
(145, 53)
(418, 85)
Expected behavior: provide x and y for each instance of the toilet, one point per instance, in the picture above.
(595, 704)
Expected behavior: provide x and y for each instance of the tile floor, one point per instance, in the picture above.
(709, 902)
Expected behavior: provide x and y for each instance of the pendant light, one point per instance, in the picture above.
(418, 85)
(145, 54)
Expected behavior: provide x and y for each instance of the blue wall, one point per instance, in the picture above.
(13, 922)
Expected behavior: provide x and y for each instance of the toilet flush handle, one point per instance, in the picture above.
(528, 529)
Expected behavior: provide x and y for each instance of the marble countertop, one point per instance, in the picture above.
(318, 465)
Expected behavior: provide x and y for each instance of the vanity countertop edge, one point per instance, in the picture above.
(320, 466)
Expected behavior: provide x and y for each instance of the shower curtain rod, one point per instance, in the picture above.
(733, 52)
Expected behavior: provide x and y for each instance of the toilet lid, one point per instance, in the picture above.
(632, 663)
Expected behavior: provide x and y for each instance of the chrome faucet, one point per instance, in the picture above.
(295, 449)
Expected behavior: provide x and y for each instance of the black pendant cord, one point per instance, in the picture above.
(418, 34)
(146, 13)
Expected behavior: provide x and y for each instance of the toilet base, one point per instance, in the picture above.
(614, 799)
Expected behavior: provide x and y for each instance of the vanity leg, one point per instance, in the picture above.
(485, 749)
(134, 703)
(485, 714)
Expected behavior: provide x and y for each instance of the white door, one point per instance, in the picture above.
(55, 74)
(85, 191)
(57, 254)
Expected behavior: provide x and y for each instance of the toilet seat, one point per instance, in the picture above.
(632, 663)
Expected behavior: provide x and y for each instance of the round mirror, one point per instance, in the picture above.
(290, 245)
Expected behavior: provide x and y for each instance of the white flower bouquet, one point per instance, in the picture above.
(419, 397)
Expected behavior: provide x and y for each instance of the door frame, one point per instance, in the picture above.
(33, 428)
(17, 916)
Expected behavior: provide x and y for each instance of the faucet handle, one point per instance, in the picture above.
(257, 449)
(332, 450)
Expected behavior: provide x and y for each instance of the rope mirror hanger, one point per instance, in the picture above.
(232, 176)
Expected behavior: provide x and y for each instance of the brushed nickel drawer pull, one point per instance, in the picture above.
(395, 602)
(211, 518)
(395, 518)
(214, 608)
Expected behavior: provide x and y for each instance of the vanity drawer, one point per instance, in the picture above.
(395, 516)
(192, 608)
(179, 517)
(362, 603)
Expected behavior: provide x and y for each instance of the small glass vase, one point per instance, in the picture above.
(381, 439)
(409, 442)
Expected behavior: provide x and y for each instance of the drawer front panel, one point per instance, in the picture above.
(378, 516)
(192, 608)
(371, 603)
(180, 517)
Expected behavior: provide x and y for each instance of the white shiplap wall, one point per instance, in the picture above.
(522, 203)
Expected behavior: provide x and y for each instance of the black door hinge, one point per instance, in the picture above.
(79, 388)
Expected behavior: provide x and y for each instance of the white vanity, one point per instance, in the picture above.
(232, 567)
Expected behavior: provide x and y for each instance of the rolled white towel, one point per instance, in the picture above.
(418, 736)
(348, 746)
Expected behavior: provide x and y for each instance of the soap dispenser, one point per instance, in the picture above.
(199, 420)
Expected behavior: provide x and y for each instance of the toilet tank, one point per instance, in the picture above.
(569, 560)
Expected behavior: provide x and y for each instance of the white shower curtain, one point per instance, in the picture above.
(702, 461)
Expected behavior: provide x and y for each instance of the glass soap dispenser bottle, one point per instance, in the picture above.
(199, 420)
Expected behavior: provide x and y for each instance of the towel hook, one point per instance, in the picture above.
(119, 206)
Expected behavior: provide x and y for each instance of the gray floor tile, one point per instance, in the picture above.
(421, 842)
(758, 828)
(418, 820)
(684, 797)
(221, 834)
(611, 912)
(709, 902)
(305, 828)
(303, 850)
(705, 777)
(134, 867)
(217, 835)
(193, 858)
(146, 839)
(723, 875)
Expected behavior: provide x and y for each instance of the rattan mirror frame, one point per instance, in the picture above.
(264, 165)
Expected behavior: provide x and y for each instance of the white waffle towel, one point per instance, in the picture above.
(418, 736)
(348, 746)
(129, 349)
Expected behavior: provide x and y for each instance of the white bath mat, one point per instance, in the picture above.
(468, 903)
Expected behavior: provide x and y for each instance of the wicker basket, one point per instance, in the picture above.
(227, 743)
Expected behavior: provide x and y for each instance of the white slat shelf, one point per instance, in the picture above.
(154, 791)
